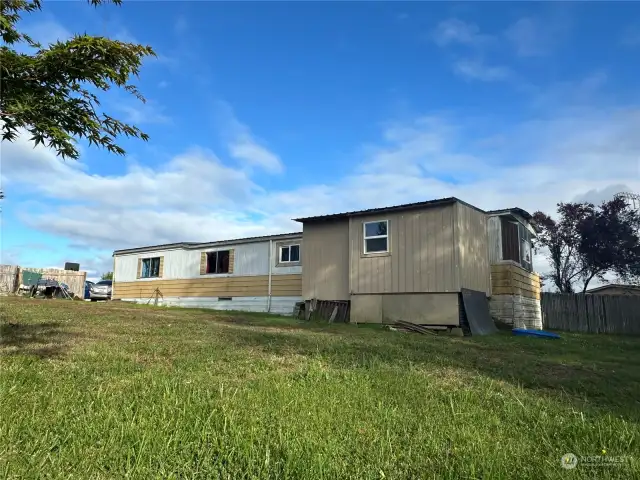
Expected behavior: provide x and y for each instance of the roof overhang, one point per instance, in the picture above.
(395, 208)
(201, 245)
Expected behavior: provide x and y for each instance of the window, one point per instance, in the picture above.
(218, 262)
(289, 253)
(376, 237)
(516, 243)
(525, 247)
(150, 267)
(510, 240)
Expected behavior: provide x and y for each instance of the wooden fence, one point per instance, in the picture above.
(580, 312)
(8, 278)
(11, 278)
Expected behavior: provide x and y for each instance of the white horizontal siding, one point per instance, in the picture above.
(274, 260)
(280, 305)
(250, 259)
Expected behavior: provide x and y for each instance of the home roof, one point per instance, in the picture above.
(613, 285)
(196, 245)
(395, 208)
(523, 213)
(519, 211)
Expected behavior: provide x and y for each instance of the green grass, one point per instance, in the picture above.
(116, 390)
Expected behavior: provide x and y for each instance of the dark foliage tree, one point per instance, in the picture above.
(587, 242)
(107, 276)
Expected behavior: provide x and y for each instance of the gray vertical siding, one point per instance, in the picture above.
(422, 257)
(325, 257)
(494, 233)
(473, 256)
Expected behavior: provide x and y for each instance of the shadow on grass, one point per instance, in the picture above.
(43, 340)
(587, 371)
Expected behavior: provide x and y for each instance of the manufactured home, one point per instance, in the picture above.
(261, 274)
(410, 262)
(407, 262)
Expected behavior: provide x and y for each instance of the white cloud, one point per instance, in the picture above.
(454, 31)
(242, 145)
(47, 32)
(125, 35)
(181, 25)
(536, 36)
(138, 113)
(528, 37)
(572, 154)
(478, 70)
(245, 148)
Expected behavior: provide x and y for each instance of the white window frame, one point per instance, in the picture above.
(282, 247)
(150, 259)
(365, 238)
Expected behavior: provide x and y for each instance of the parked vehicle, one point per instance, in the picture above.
(87, 288)
(101, 290)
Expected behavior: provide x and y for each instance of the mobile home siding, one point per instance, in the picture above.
(246, 287)
(422, 256)
(475, 273)
(249, 259)
(213, 286)
(325, 257)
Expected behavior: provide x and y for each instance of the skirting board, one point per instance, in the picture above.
(279, 305)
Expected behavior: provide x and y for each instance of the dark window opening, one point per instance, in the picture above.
(150, 267)
(218, 262)
(516, 243)
(510, 241)
(290, 253)
(226, 299)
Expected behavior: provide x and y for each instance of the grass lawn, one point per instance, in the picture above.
(116, 390)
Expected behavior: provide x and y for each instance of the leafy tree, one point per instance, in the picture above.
(587, 242)
(50, 91)
(107, 276)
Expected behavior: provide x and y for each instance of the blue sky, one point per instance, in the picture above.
(262, 112)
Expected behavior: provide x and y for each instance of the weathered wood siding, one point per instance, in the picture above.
(248, 259)
(511, 279)
(618, 314)
(515, 296)
(422, 254)
(8, 278)
(473, 257)
(75, 280)
(212, 286)
(325, 258)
